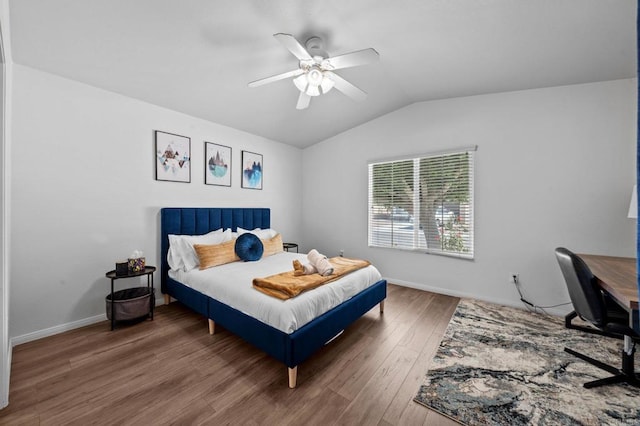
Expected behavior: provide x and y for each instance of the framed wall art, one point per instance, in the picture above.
(251, 170)
(217, 164)
(173, 157)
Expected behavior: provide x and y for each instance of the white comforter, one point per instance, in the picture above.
(232, 285)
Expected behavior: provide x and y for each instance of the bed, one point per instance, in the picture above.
(290, 348)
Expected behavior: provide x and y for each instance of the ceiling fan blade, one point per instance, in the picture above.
(347, 88)
(353, 59)
(276, 78)
(289, 41)
(303, 101)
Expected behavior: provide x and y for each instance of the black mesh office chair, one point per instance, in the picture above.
(591, 305)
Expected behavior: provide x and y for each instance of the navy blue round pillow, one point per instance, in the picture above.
(249, 247)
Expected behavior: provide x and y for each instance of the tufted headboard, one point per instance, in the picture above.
(200, 220)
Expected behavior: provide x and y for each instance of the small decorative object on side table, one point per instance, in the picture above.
(132, 302)
(288, 246)
(122, 268)
(136, 261)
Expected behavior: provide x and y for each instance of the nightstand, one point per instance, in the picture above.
(288, 246)
(133, 302)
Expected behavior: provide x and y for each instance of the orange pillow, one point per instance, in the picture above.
(272, 246)
(218, 254)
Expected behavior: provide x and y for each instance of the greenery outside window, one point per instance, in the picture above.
(423, 203)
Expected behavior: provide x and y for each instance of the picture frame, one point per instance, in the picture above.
(173, 157)
(252, 170)
(217, 164)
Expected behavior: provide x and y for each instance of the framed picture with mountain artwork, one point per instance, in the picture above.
(173, 157)
(251, 170)
(217, 164)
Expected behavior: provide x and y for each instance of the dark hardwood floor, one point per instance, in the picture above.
(171, 371)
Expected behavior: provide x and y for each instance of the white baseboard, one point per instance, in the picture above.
(29, 337)
(449, 292)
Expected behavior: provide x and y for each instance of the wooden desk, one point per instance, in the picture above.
(617, 276)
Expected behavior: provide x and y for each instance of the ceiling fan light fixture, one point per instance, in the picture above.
(313, 82)
(313, 90)
(327, 84)
(301, 82)
(314, 77)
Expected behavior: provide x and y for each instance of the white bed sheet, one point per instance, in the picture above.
(232, 285)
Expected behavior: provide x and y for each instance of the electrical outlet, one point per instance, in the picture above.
(514, 278)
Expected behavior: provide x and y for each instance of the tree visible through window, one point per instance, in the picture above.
(423, 203)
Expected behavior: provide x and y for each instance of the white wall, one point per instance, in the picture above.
(84, 194)
(554, 167)
(5, 177)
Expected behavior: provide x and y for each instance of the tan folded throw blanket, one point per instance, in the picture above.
(286, 285)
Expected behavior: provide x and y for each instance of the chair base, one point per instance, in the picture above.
(568, 324)
(625, 375)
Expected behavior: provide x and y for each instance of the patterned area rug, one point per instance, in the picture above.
(505, 366)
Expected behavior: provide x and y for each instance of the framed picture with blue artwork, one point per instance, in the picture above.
(251, 170)
(217, 164)
(173, 157)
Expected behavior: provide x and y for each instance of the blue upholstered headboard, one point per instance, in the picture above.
(200, 220)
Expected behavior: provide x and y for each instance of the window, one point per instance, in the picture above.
(423, 203)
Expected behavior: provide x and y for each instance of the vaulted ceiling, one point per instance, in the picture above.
(197, 56)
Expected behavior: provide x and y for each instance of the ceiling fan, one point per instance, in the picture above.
(315, 75)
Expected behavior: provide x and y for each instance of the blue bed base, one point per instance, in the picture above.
(291, 349)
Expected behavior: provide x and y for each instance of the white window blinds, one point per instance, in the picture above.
(423, 203)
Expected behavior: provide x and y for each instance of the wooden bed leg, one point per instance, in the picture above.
(382, 306)
(167, 299)
(212, 327)
(293, 376)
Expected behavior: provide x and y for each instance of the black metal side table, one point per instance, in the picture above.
(148, 271)
(288, 246)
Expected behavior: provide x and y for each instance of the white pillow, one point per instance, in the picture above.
(174, 256)
(266, 234)
(178, 249)
(263, 234)
(241, 231)
(181, 252)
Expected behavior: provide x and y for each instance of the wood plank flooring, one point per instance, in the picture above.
(171, 371)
